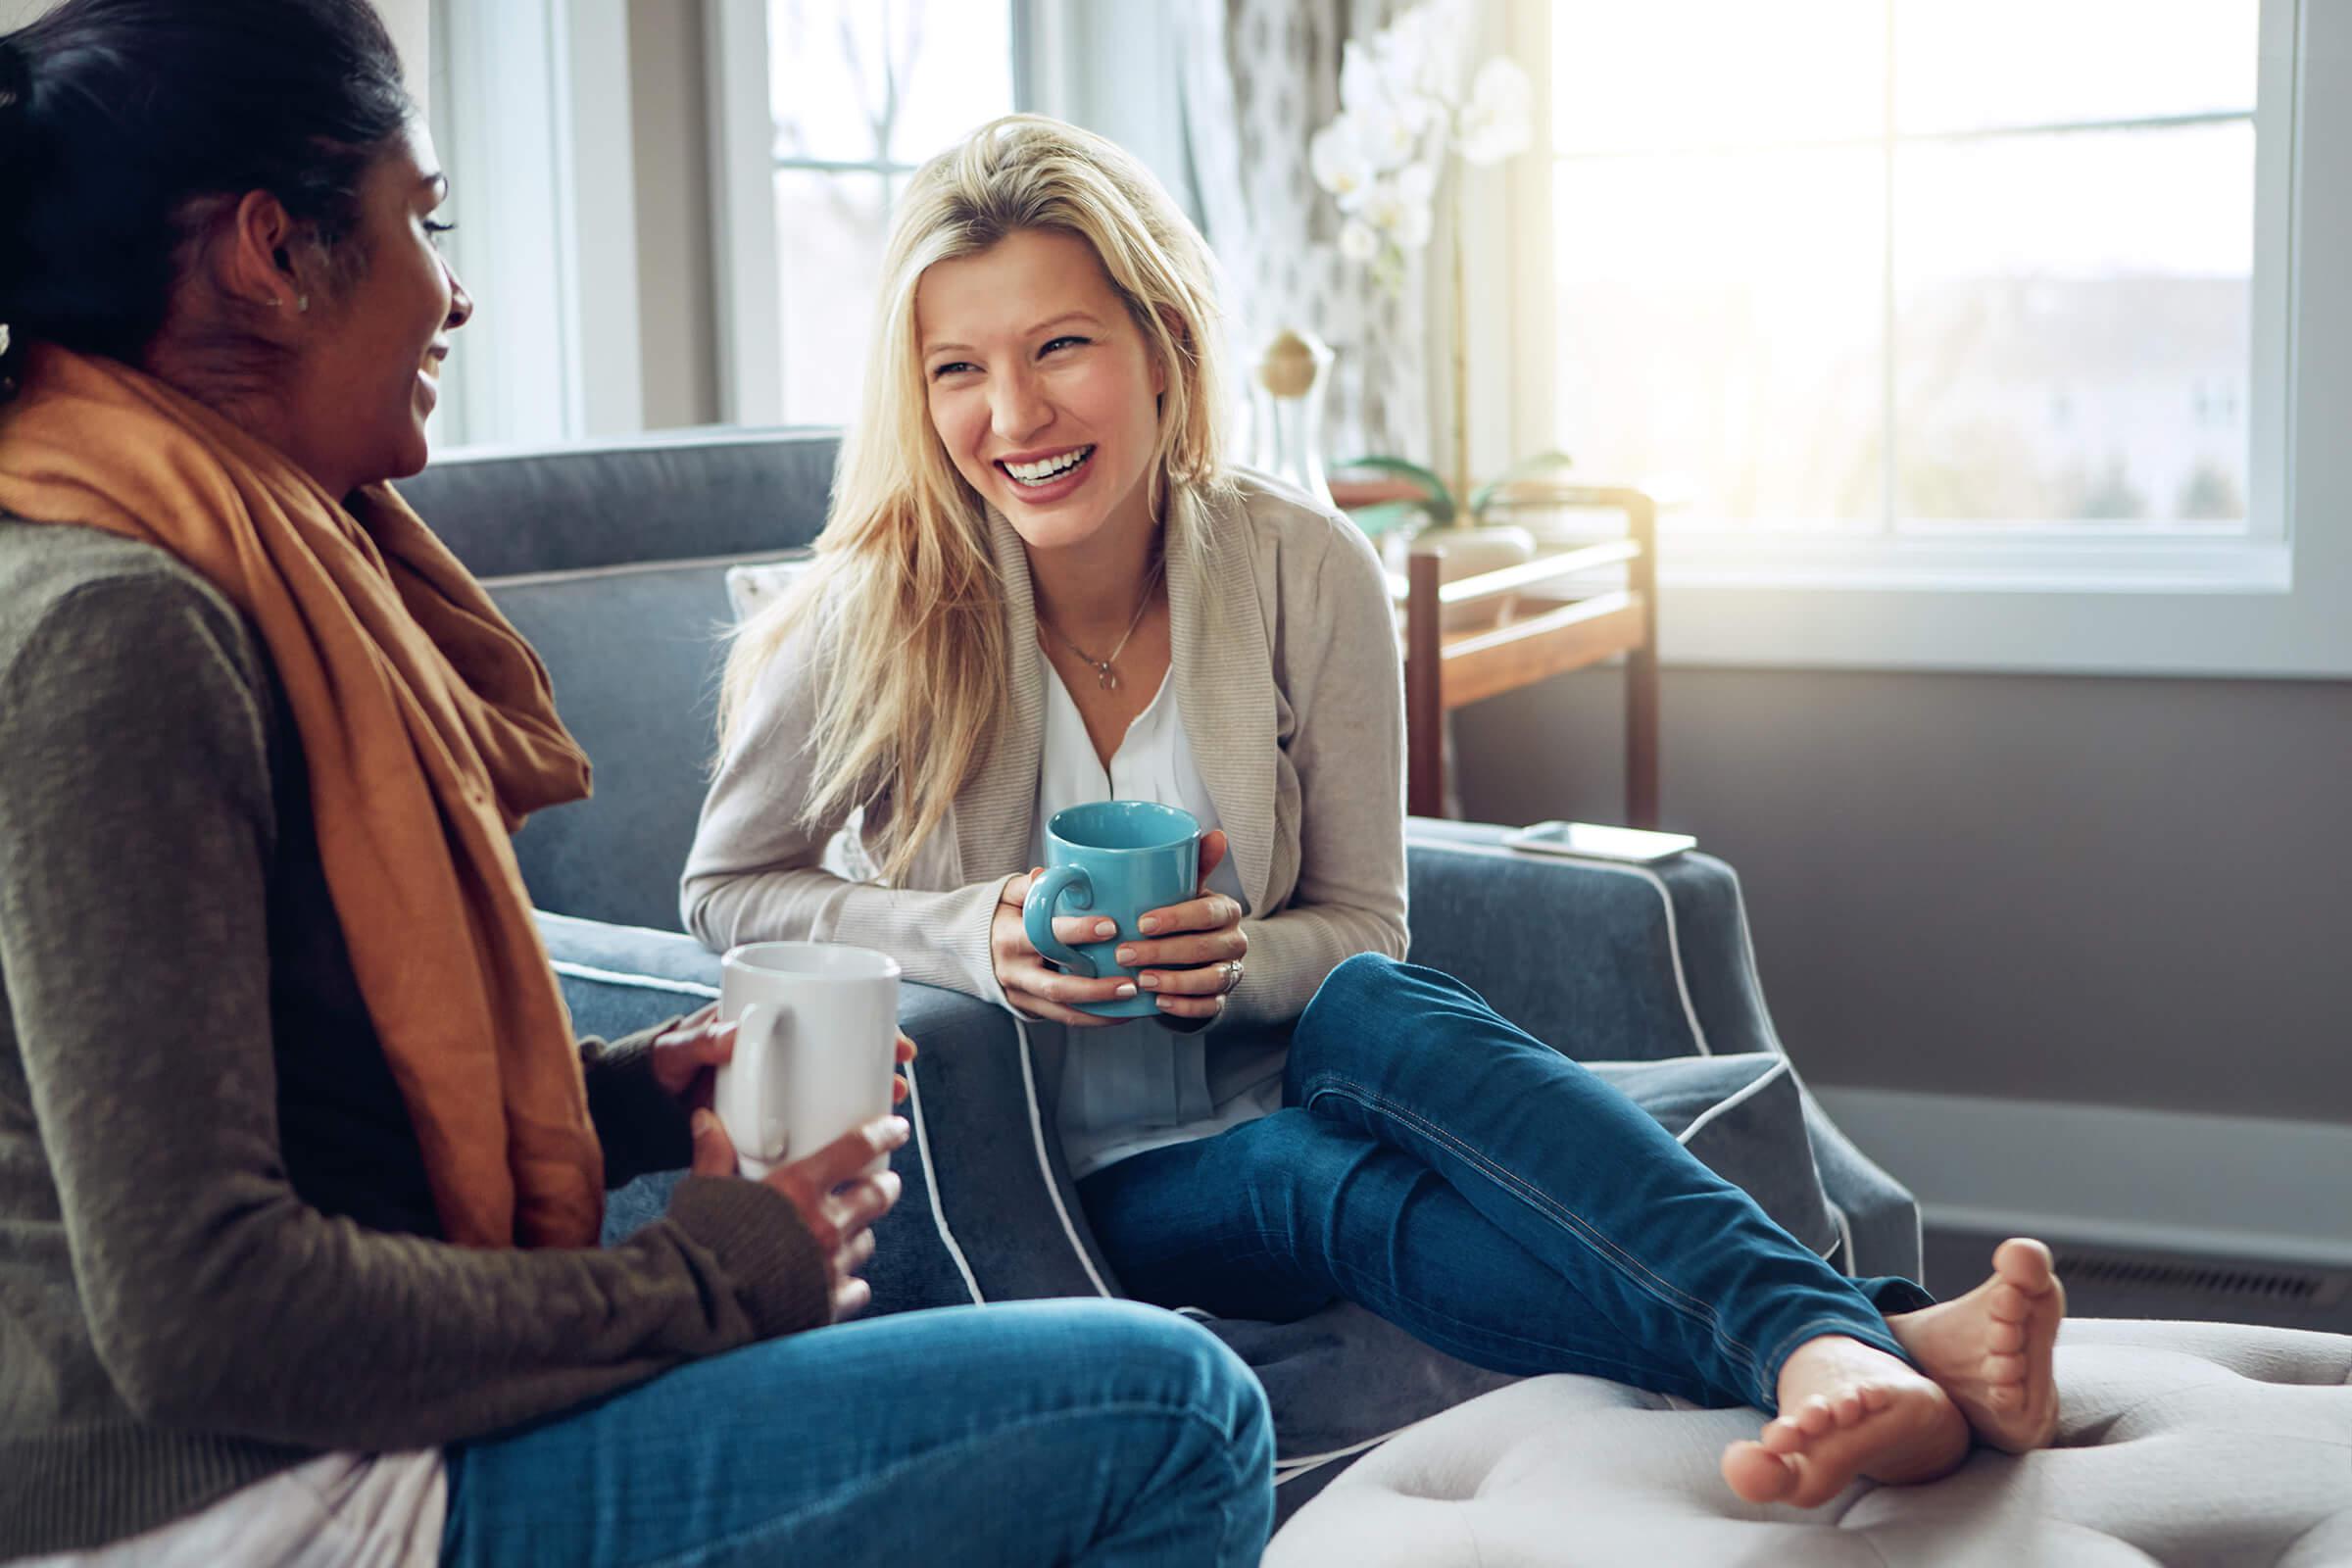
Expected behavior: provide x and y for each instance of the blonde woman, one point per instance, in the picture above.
(1039, 587)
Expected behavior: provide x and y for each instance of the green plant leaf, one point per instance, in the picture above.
(1439, 506)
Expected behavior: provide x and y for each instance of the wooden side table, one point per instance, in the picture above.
(1548, 628)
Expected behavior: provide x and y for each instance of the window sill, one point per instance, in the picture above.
(2073, 564)
(2239, 612)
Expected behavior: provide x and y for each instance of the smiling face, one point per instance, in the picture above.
(1042, 388)
(370, 363)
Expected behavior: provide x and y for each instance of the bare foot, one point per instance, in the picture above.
(1847, 1409)
(1990, 1349)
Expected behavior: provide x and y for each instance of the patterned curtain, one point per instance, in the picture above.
(1259, 79)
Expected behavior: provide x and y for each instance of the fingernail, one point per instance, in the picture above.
(1125, 991)
(1149, 982)
(890, 1182)
(1148, 924)
(1105, 929)
(1125, 956)
(701, 1122)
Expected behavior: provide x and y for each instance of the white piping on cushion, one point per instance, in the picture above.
(1674, 938)
(643, 569)
(1044, 1166)
(1286, 1470)
(649, 982)
(939, 1213)
(1845, 1234)
(1674, 946)
(1747, 1092)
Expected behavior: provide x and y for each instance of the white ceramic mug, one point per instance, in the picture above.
(816, 1047)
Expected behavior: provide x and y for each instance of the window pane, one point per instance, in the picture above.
(865, 80)
(829, 234)
(957, 73)
(1721, 321)
(1681, 73)
(825, 78)
(2073, 314)
(1966, 65)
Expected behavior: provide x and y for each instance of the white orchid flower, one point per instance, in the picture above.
(1357, 241)
(1361, 85)
(1399, 207)
(1389, 124)
(1337, 157)
(1497, 122)
(1426, 47)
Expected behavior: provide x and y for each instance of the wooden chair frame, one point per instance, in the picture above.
(1542, 635)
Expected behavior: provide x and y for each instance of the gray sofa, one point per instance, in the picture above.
(611, 561)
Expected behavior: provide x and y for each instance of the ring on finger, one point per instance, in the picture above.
(1233, 976)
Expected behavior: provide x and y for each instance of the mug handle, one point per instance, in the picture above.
(752, 1109)
(1036, 916)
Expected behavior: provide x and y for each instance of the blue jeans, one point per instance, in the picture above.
(1051, 1432)
(1441, 1167)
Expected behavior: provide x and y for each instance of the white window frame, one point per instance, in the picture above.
(530, 105)
(2273, 602)
(743, 164)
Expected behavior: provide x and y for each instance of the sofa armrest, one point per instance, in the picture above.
(1603, 961)
(1608, 962)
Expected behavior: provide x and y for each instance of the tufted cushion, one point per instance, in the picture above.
(2179, 1443)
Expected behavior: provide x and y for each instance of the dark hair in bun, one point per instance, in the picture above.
(119, 118)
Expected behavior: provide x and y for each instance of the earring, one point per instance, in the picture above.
(303, 304)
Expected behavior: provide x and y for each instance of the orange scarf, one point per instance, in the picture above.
(430, 731)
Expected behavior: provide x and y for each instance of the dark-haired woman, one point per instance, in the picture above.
(300, 1172)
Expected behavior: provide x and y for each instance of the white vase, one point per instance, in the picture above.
(1286, 411)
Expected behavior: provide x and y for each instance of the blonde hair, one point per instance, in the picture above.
(903, 598)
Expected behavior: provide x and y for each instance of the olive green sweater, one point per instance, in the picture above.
(218, 1249)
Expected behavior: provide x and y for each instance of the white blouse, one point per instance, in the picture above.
(1134, 1086)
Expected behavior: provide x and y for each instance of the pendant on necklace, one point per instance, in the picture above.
(1105, 679)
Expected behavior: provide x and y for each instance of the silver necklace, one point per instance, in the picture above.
(1105, 677)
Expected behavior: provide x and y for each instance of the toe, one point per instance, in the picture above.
(2005, 1337)
(1756, 1474)
(2025, 1263)
(1877, 1396)
(1847, 1409)
(2006, 1303)
(1783, 1435)
(2000, 1369)
(1816, 1416)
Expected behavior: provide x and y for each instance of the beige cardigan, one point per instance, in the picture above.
(1295, 710)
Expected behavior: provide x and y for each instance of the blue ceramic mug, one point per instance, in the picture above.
(1119, 859)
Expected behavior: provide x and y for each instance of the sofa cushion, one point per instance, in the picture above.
(753, 588)
(1744, 1117)
(2177, 1442)
(635, 653)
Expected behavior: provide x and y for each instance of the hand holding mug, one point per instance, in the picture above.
(1031, 985)
(835, 1199)
(1191, 953)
